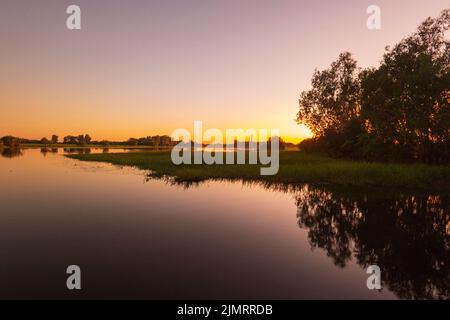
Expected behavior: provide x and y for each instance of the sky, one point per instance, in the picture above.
(139, 68)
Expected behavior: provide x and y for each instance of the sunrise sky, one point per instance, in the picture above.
(139, 68)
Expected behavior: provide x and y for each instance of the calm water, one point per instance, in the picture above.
(140, 238)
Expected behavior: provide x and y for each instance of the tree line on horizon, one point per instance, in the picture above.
(398, 111)
(85, 139)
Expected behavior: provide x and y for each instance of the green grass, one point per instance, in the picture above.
(295, 167)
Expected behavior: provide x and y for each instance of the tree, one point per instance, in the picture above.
(10, 141)
(144, 141)
(45, 141)
(156, 140)
(54, 139)
(80, 139)
(70, 140)
(397, 111)
(104, 143)
(87, 139)
(165, 140)
(334, 97)
(132, 142)
(405, 101)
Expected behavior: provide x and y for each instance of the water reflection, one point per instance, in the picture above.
(11, 152)
(16, 152)
(406, 234)
(204, 239)
(77, 150)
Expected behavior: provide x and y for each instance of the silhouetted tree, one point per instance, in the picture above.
(406, 100)
(54, 139)
(132, 142)
(165, 140)
(70, 140)
(156, 140)
(10, 141)
(80, 139)
(104, 143)
(334, 98)
(397, 111)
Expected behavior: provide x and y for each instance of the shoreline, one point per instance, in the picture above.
(295, 168)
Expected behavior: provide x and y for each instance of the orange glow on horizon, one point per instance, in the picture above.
(291, 135)
(136, 71)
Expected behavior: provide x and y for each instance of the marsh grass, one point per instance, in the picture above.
(295, 167)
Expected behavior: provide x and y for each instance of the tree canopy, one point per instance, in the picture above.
(396, 111)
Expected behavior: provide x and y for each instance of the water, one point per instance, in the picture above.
(135, 237)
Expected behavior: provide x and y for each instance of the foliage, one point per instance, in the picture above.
(398, 111)
(333, 99)
(10, 141)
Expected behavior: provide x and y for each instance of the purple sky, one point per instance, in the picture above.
(144, 67)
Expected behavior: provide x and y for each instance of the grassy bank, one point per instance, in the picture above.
(295, 167)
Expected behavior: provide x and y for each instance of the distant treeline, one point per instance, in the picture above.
(155, 141)
(398, 111)
(85, 139)
(244, 144)
(149, 141)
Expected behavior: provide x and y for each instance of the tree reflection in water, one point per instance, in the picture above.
(11, 152)
(406, 234)
(77, 150)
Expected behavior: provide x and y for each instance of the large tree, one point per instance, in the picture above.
(333, 100)
(406, 99)
(54, 139)
(70, 140)
(87, 139)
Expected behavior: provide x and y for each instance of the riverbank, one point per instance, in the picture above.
(295, 167)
